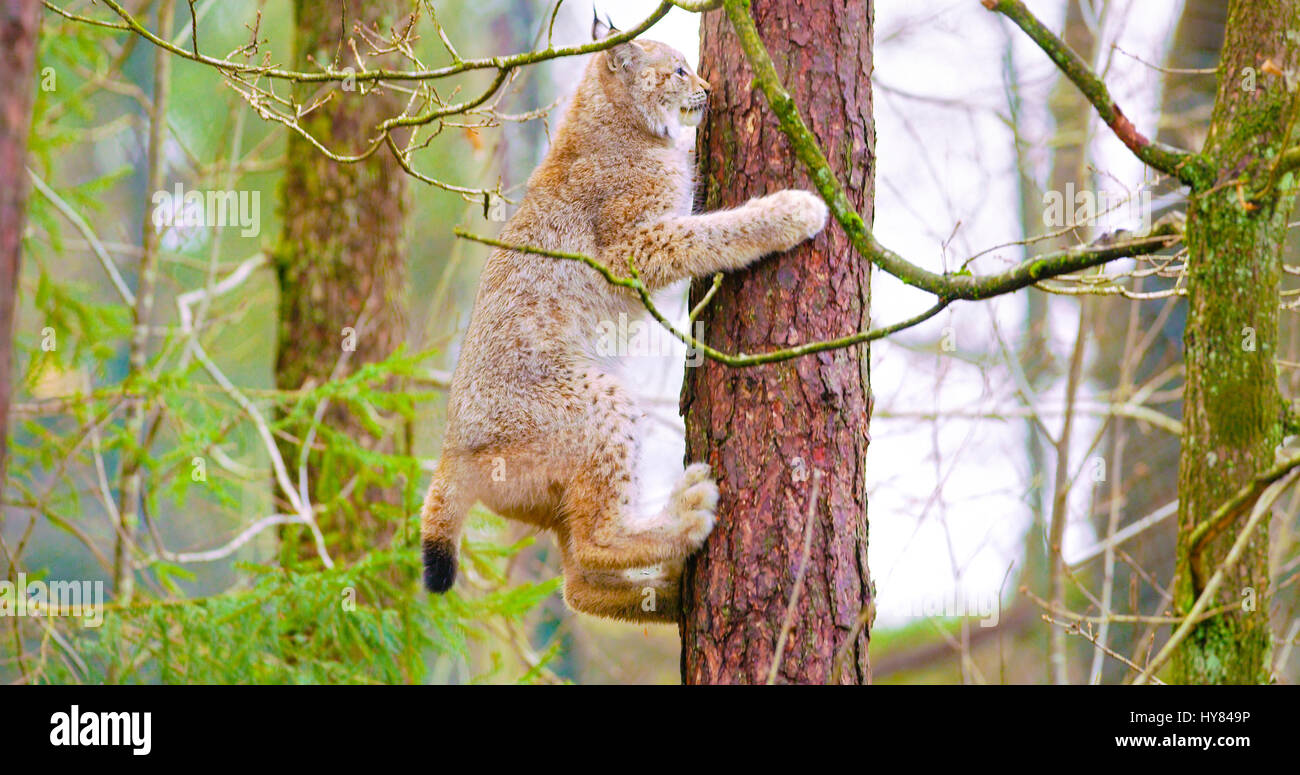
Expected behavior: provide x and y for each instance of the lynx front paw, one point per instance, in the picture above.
(693, 502)
(798, 215)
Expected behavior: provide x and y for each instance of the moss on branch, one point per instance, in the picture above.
(634, 284)
(950, 287)
(500, 63)
(1187, 167)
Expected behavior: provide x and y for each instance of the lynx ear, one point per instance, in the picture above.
(624, 55)
(601, 28)
(620, 56)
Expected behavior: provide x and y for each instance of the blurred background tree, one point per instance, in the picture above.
(19, 27)
(342, 257)
(214, 598)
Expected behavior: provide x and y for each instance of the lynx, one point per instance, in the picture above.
(538, 428)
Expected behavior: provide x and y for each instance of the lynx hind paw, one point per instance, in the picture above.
(802, 213)
(694, 501)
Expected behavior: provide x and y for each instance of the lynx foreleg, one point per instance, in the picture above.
(678, 247)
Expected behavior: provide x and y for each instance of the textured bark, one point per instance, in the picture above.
(341, 259)
(765, 429)
(1232, 407)
(19, 26)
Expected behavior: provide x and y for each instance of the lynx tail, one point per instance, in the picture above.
(440, 524)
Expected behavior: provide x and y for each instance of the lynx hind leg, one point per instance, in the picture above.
(605, 530)
(633, 595)
(651, 594)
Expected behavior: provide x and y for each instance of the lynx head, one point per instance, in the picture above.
(661, 89)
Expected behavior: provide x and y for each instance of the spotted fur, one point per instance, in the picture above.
(538, 430)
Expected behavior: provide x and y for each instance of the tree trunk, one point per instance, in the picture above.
(766, 430)
(341, 259)
(1232, 407)
(1143, 462)
(19, 26)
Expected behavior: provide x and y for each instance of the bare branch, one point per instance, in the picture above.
(1189, 168)
(635, 285)
(1226, 514)
(949, 286)
(1263, 504)
(97, 247)
(501, 64)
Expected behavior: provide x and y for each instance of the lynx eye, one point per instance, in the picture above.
(681, 71)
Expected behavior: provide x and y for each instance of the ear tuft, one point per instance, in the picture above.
(601, 28)
(621, 56)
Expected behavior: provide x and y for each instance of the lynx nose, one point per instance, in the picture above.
(703, 84)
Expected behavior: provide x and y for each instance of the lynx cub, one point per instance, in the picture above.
(537, 430)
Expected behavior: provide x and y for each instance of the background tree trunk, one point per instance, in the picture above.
(341, 260)
(1070, 114)
(765, 429)
(1231, 405)
(19, 26)
(1142, 463)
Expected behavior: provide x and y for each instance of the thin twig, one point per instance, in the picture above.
(1262, 506)
(788, 623)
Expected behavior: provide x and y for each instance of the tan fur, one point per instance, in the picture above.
(529, 398)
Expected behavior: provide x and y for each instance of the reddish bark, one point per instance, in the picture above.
(765, 429)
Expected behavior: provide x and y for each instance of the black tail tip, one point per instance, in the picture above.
(439, 566)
